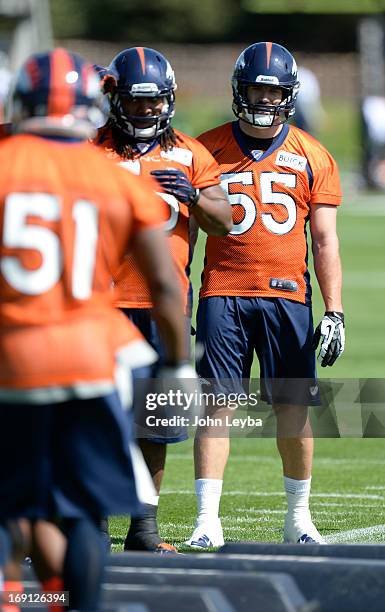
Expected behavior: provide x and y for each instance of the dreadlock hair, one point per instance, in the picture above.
(123, 144)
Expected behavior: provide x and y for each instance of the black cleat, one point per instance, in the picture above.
(149, 542)
(143, 534)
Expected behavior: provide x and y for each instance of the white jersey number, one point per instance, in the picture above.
(20, 232)
(268, 196)
(173, 205)
(240, 199)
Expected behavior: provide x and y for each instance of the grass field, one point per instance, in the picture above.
(348, 497)
(347, 502)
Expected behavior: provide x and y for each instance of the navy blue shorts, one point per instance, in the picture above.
(72, 459)
(170, 434)
(280, 332)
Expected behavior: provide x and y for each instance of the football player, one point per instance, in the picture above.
(67, 456)
(256, 293)
(140, 86)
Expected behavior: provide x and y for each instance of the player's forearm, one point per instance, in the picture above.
(327, 266)
(213, 215)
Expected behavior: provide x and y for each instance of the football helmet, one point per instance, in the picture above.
(265, 63)
(56, 93)
(140, 72)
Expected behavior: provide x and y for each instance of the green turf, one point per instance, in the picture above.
(348, 492)
(340, 131)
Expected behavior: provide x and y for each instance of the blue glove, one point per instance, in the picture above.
(176, 183)
(331, 332)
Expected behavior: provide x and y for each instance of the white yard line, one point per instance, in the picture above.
(361, 535)
(374, 208)
(342, 512)
(371, 211)
(342, 495)
(318, 460)
(364, 534)
(359, 505)
(345, 495)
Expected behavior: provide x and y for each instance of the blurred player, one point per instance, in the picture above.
(309, 112)
(5, 81)
(67, 216)
(140, 84)
(255, 293)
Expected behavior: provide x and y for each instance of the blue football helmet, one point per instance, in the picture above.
(56, 93)
(140, 72)
(265, 63)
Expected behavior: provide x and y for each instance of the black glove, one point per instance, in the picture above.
(331, 331)
(176, 183)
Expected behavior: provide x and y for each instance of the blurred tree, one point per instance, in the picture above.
(209, 21)
(162, 20)
(69, 18)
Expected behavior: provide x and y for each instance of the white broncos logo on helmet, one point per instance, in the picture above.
(170, 74)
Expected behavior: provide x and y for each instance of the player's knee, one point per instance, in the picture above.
(292, 421)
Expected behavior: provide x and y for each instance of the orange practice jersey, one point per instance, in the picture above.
(67, 216)
(202, 170)
(271, 193)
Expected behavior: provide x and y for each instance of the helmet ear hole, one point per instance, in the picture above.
(109, 83)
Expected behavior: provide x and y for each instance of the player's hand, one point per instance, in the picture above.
(183, 381)
(176, 183)
(331, 332)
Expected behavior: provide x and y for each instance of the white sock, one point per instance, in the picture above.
(152, 500)
(297, 494)
(208, 492)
